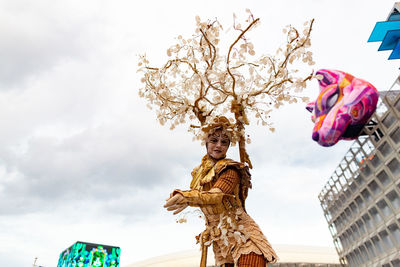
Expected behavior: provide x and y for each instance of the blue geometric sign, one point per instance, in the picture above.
(388, 32)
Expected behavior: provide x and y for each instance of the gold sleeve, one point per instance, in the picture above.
(197, 198)
(224, 186)
(227, 181)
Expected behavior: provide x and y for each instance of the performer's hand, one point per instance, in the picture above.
(176, 203)
(174, 200)
(178, 208)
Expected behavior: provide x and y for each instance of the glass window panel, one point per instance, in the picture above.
(348, 213)
(376, 161)
(385, 209)
(368, 147)
(366, 170)
(356, 260)
(388, 120)
(378, 244)
(361, 227)
(332, 209)
(350, 260)
(395, 135)
(381, 108)
(370, 249)
(394, 166)
(374, 187)
(353, 186)
(343, 240)
(347, 173)
(338, 244)
(328, 216)
(386, 239)
(359, 156)
(358, 255)
(385, 149)
(368, 221)
(347, 192)
(338, 203)
(333, 229)
(364, 253)
(383, 177)
(350, 236)
(359, 180)
(353, 208)
(338, 186)
(344, 218)
(360, 202)
(366, 195)
(336, 223)
(377, 134)
(394, 199)
(353, 166)
(395, 232)
(375, 215)
(342, 180)
(340, 221)
(354, 229)
(343, 165)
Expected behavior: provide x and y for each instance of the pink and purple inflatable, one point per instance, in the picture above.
(344, 105)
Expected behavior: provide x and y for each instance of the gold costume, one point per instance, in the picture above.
(220, 190)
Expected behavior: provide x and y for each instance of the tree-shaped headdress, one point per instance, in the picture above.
(201, 83)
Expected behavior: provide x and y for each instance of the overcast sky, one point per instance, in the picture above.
(82, 158)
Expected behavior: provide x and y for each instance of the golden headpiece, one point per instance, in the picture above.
(219, 123)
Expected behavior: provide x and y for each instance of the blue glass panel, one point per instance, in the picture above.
(381, 28)
(394, 16)
(390, 40)
(396, 52)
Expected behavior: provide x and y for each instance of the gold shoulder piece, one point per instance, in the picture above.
(208, 178)
(222, 164)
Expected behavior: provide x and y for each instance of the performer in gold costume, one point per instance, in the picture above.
(219, 188)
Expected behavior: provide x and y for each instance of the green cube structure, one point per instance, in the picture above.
(83, 254)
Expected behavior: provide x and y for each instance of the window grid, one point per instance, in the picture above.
(361, 200)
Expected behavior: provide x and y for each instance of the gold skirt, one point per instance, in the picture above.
(234, 234)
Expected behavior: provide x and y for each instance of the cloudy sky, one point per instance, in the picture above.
(82, 158)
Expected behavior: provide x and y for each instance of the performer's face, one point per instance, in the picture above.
(217, 145)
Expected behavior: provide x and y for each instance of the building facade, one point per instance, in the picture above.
(361, 200)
